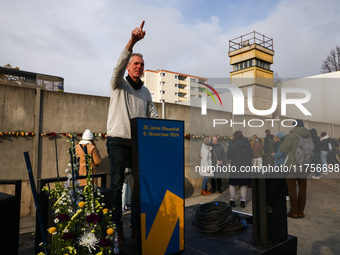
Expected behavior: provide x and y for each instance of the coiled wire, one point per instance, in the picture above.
(216, 216)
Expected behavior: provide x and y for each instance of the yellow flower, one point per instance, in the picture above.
(81, 204)
(109, 231)
(52, 230)
(105, 210)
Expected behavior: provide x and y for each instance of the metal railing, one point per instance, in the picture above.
(249, 39)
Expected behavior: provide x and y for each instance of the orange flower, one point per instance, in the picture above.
(52, 230)
(109, 231)
(105, 210)
(81, 204)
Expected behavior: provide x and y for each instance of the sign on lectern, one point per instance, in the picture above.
(158, 154)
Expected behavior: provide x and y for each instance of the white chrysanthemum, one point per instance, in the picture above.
(88, 240)
(67, 170)
(70, 210)
(65, 230)
(56, 221)
(57, 211)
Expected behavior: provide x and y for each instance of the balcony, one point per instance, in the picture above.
(182, 90)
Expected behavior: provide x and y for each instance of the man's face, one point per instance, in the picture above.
(135, 67)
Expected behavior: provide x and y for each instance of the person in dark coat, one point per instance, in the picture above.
(218, 158)
(317, 150)
(239, 152)
(269, 148)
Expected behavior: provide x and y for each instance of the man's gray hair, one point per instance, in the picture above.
(135, 54)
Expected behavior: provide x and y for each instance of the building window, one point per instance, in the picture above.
(162, 92)
(162, 100)
(176, 85)
(176, 93)
(192, 96)
(162, 83)
(176, 76)
(192, 88)
(162, 74)
(192, 80)
(250, 63)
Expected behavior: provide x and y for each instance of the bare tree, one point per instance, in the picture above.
(277, 79)
(332, 61)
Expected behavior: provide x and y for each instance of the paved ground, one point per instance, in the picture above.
(318, 233)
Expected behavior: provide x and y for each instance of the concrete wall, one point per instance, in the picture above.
(28, 110)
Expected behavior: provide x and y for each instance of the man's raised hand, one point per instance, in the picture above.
(137, 34)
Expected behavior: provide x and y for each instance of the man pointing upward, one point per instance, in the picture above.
(129, 99)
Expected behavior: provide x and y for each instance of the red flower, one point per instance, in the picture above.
(63, 217)
(104, 243)
(94, 218)
(69, 236)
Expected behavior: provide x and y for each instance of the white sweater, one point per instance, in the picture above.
(126, 102)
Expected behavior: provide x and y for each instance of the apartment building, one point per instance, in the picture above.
(172, 87)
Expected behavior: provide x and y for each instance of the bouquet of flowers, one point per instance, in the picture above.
(82, 223)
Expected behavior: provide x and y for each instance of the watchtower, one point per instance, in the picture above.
(251, 56)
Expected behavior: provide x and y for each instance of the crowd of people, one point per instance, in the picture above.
(273, 150)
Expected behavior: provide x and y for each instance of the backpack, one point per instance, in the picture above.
(305, 150)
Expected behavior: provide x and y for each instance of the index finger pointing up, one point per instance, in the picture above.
(142, 25)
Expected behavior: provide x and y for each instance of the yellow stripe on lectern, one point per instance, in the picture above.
(163, 226)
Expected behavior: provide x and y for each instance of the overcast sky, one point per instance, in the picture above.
(80, 40)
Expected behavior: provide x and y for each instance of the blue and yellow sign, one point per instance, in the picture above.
(160, 145)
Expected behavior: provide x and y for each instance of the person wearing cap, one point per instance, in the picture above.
(279, 156)
(129, 99)
(296, 179)
(88, 142)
